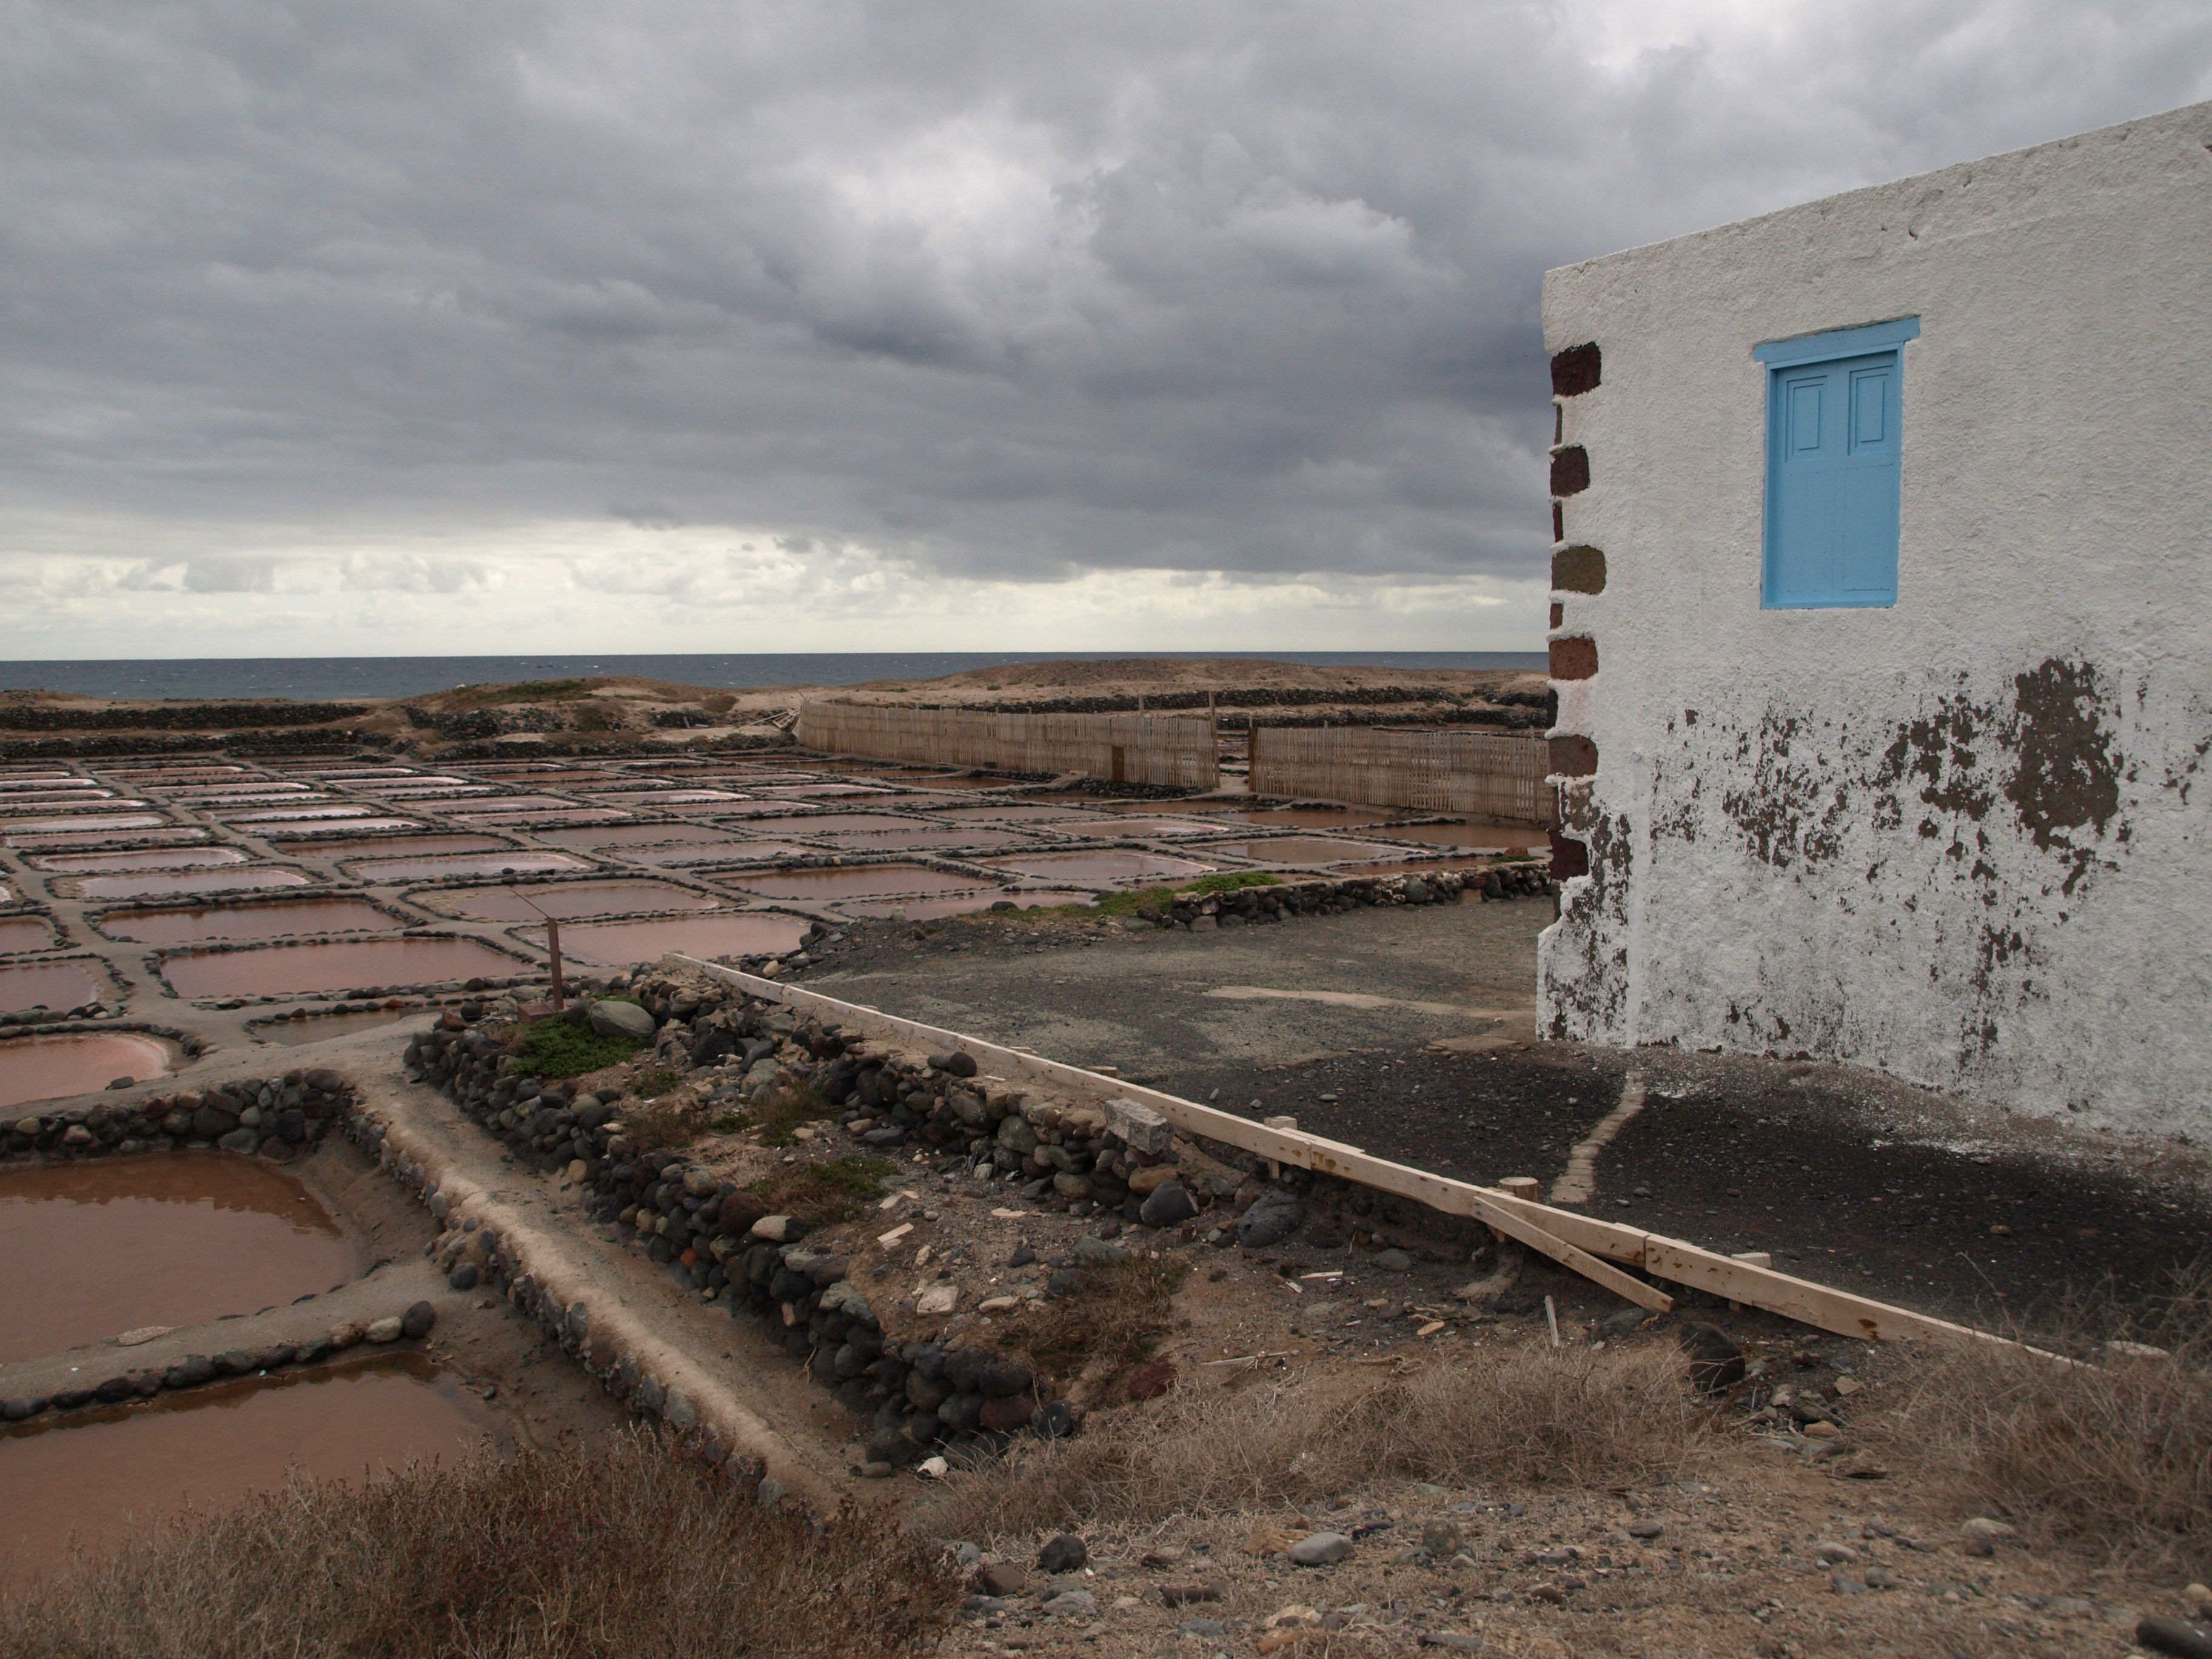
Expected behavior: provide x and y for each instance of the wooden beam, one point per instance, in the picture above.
(1580, 1242)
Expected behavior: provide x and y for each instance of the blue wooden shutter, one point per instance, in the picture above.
(1832, 476)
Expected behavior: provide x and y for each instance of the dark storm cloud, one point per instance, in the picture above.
(1012, 290)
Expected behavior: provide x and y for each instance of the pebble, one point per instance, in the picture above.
(1002, 1578)
(1323, 1549)
(1834, 1555)
(386, 1329)
(1981, 1535)
(1646, 1529)
(1393, 1261)
(345, 1334)
(415, 1324)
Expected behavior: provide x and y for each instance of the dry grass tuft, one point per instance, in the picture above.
(822, 1194)
(616, 1549)
(2112, 1458)
(1517, 1417)
(1109, 1325)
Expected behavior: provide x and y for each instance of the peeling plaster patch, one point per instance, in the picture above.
(1584, 987)
(2068, 775)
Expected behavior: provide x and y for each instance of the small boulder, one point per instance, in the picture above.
(415, 1324)
(1065, 1552)
(2172, 1636)
(621, 1019)
(738, 1212)
(1274, 1216)
(1169, 1206)
(1323, 1549)
(1001, 1578)
(1715, 1362)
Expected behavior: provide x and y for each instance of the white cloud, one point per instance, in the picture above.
(346, 327)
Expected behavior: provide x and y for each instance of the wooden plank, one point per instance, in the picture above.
(1313, 1152)
(1800, 1299)
(1575, 1241)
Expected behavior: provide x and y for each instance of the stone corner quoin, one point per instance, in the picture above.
(1944, 827)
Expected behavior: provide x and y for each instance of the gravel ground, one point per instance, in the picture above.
(1407, 1032)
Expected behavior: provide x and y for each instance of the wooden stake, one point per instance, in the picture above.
(553, 948)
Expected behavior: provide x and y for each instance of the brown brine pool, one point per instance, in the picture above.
(91, 1250)
(23, 932)
(56, 985)
(55, 1067)
(1112, 865)
(271, 918)
(927, 835)
(637, 834)
(853, 881)
(563, 901)
(321, 1028)
(105, 1471)
(1301, 849)
(296, 969)
(620, 944)
(404, 846)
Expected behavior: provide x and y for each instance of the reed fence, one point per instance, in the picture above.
(1482, 774)
(1154, 749)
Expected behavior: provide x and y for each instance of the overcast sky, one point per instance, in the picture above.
(396, 327)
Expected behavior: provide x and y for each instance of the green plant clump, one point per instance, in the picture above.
(826, 1193)
(553, 1047)
(530, 691)
(1150, 900)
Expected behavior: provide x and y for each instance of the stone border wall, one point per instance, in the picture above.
(922, 1397)
(276, 1118)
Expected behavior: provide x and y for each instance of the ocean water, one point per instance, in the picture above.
(321, 679)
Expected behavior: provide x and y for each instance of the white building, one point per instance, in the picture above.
(1883, 631)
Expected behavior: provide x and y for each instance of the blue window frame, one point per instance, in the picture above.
(1834, 408)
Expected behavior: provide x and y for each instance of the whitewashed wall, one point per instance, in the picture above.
(1967, 840)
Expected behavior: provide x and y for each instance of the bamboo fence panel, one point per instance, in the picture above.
(1483, 774)
(1155, 749)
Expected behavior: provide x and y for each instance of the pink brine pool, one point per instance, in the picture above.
(58, 986)
(55, 1067)
(1112, 865)
(581, 898)
(297, 969)
(237, 879)
(268, 919)
(853, 881)
(192, 858)
(620, 944)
